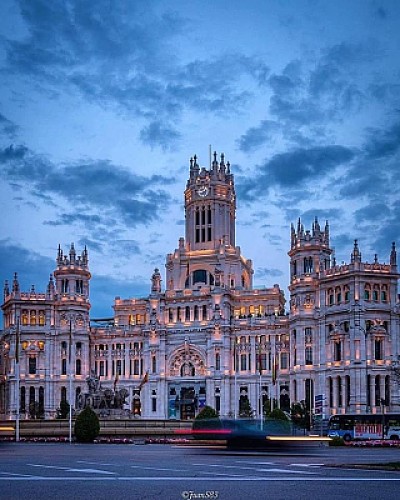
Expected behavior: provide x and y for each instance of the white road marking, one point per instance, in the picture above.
(307, 465)
(285, 471)
(253, 462)
(70, 469)
(256, 469)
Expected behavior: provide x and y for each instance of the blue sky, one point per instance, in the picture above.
(103, 103)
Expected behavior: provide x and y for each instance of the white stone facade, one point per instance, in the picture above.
(209, 337)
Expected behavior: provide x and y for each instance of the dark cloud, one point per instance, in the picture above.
(265, 273)
(32, 268)
(122, 54)
(375, 211)
(257, 136)
(100, 185)
(128, 247)
(7, 127)
(293, 169)
(383, 143)
(69, 219)
(158, 135)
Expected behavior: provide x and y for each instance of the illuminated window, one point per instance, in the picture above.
(33, 318)
(42, 318)
(24, 317)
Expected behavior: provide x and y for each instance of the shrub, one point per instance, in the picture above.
(87, 426)
(207, 412)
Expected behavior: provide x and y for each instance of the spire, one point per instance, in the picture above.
(215, 162)
(72, 254)
(356, 255)
(393, 256)
(59, 255)
(6, 289)
(222, 163)
(228, 168)
(15, 287)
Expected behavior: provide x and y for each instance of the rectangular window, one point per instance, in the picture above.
(243, 362)
(154, 404)
(337, 351)
(308, 356)
(378, 349)
(32, 366)
(101, 370)
(284, 360)
(217, 404)
(153, 364)
(63, 366)
(136, 367)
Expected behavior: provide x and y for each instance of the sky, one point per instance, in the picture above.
(103, 103)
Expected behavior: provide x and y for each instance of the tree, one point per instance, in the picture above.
(87, 426)
(63, 411)
(245, 409)
(278, 414)
(207, 412)
(300, 414)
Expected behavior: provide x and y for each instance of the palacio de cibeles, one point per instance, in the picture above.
(207, 336)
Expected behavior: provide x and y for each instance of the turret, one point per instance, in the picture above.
(72, 275)
(310, 252)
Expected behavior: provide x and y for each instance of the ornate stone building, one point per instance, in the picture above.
(209, 337)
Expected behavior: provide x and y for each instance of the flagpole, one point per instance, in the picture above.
(70, 379)
(17, 382)
(235, 382)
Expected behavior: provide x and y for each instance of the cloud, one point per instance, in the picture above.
(265, 273)
(32, 268)
(107, 188)
(124, 56)
(7, 127)
(156, 134)
(257, 136)
(294, 168)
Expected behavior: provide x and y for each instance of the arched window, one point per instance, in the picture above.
(331, 297)
(346, 294)
(338, 294)
(22, 403)
(178, 314)
(187, 313)
(32, 396)
(24, 317)
(375, 294)
(196, 313)
(41, 402)
(384, 294)
(63, 394)
(367, 292)
(204, 312)
(170, 315)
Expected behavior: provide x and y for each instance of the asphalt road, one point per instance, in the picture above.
(73, 471)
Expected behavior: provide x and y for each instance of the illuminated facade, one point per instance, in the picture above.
(209, 337)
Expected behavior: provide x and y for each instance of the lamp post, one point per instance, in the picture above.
(71, 317)
(17, 379)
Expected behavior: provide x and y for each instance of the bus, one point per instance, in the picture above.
(365, 426)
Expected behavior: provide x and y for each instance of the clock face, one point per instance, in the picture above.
(202, 191)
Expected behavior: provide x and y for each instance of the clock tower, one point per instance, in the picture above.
(210, 205)
(208, 255)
